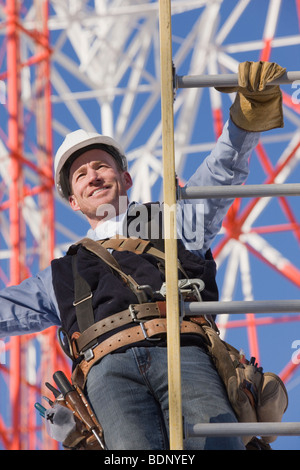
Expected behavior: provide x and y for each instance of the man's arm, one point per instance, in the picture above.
(29, 307)
(227, 164)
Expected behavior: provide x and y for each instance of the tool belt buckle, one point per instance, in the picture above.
(88, 354)
(141, 323)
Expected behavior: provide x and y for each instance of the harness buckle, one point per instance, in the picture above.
(146, 292)
(141, 322)
(75, 303)
(191, 286)
(186, 288)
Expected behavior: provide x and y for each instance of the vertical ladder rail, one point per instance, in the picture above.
(169, 191)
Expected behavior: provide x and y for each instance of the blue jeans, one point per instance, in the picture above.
(129, 394)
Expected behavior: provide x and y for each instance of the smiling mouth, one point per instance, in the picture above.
(98, 190)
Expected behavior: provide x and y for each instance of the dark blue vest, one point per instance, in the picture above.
(110, 293)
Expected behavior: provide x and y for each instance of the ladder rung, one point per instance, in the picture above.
(254, 190)
(241, 429)
(226, 80)
(241, 306)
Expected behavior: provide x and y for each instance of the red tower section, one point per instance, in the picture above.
(27, 213)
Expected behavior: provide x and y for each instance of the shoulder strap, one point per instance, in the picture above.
(101, 252)
(138, 246)
(82, 299)
(107, 257)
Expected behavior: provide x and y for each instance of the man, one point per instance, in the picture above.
(119, 350)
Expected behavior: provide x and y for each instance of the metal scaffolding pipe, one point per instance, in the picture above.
(241, 306)
(226, 80)
(254, 190)
(241, 429)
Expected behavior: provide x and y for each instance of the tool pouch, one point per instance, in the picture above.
(66, 423)
(254, 396)
(64, 426)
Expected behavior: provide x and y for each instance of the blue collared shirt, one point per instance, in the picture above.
(31, 306)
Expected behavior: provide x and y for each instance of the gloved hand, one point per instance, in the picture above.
(257, 107)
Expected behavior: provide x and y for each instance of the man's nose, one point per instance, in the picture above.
(93, 175)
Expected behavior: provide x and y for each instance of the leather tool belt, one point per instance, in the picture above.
(151, 329)
(135, 313)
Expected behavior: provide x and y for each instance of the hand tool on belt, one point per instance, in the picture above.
(74, 401)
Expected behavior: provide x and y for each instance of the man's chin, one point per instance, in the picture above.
(109, 209)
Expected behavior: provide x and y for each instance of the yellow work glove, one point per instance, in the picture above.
(257, 107)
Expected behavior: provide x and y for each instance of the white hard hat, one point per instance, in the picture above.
(73, 143)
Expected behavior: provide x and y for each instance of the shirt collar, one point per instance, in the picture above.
(111, 227)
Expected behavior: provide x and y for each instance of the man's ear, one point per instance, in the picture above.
(73, 203)
(127, 180)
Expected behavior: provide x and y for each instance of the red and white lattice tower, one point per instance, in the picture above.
(94, 64)
(27, 211)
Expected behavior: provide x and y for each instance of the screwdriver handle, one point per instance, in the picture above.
(62, 383)
(54, 390)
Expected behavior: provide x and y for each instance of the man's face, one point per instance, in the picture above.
(96, 179)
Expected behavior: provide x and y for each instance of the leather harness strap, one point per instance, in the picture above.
(129, 336)
(83, 295)
(108, 258)
(137, 246)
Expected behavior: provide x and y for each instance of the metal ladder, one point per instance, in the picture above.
(170, 82)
